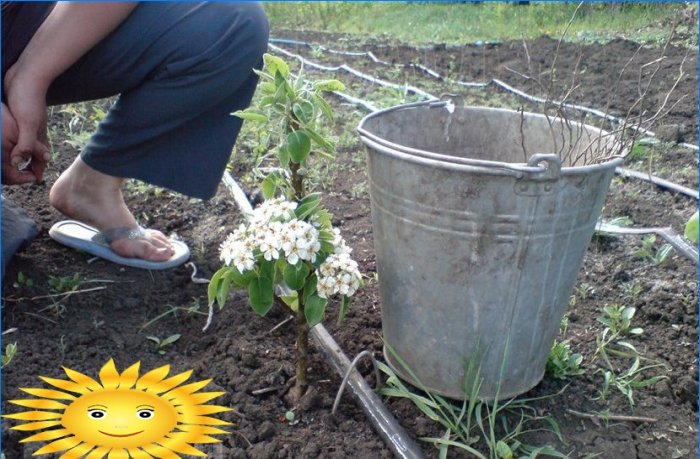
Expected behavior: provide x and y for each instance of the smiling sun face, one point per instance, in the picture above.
(122, 416)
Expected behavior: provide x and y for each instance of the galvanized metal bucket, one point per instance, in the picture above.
(481, 219)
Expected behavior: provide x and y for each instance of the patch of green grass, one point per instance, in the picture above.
(457, 23)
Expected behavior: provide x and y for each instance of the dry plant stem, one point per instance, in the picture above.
(55, 295)
(38, 316)
(551, 75)
(280, 325)
(611, 417)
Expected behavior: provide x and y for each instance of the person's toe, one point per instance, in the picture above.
(159, 239)
(145, 249)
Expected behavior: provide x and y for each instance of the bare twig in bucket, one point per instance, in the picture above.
(572, 141)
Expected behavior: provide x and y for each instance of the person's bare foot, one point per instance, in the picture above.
(91, 197)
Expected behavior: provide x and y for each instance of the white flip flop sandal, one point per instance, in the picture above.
(83, 237)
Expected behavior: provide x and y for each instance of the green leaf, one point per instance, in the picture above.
(274, 64)
(239, 279)
(260, 295)
(269, 186)
(295, 275)
(323, 105)
(320, 141)
(310, 287)
(215, 282)
(291, 300)
(280, 95)
(251, 114)
(329, 85)
(308, 205)
(267, 88)
(169, 340)
(267, 269)
(691, 228)
(503, 450)
(298, 145)
(267, 100)
(283, 155)
(222, 290)
(304, 111)
(263, 75)
(314, 309)
(344, 306)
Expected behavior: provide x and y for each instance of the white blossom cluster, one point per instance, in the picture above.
(338, 273)
(274, 232)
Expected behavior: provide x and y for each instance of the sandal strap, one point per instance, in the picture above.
(123, 232)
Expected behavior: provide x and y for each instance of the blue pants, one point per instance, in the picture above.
(180, 69)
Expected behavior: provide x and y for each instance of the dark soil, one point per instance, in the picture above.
(243, 354)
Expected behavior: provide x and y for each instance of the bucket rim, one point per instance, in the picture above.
(440, 160)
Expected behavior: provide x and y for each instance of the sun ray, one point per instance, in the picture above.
(59, 445)
(182, 437)
(180, 445)
(77, 452)
(82, 379)
(69, 386)
(204, 397)
(203, 420)
(150, 379)
(199, 410)
(40, 404)
(199, 429)
(187, 389)
(34, 416)
(109, 376)
(129, 376)
(118, 454)
(139, 454)
(98, 453)
(46, 435)
(167, 384)
(160, 452)
(205, 439)
(48, 393)
(35, 425)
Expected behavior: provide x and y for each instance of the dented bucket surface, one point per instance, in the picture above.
(481, 221)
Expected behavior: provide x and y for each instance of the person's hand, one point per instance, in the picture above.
(26, 112)
(11, 173)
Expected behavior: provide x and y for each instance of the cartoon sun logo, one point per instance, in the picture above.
(122, 417)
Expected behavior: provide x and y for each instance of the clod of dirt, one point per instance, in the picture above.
(671, 132)
(266, 431)
(686, 390)
(310, 400)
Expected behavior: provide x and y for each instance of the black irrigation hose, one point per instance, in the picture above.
(661, 183)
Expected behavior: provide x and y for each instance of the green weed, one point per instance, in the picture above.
(161, 344)
(9, 354)
(562, 363)
(498, 426)
(23, 281)
(64, 284)
(649, 252)
(619, 319)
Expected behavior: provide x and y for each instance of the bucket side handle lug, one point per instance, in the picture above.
(550, 165)
(537, 177)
